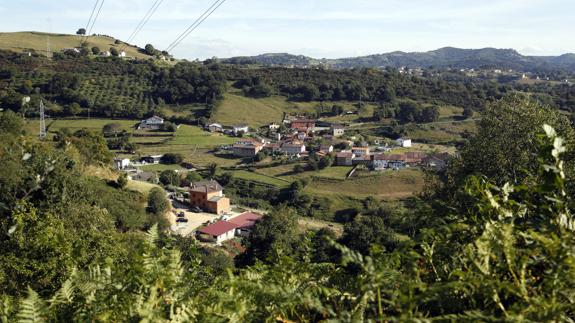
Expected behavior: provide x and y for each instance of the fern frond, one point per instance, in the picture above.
(32, 308)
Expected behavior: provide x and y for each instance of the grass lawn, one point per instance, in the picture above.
(160, 167)
(255, 112)
(142, 187)
(337, 172)
(389, 185)
(195, 136)
(253, 176)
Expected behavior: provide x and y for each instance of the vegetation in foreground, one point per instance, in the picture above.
(482, 244)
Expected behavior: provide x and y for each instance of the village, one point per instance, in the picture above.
(203, 210)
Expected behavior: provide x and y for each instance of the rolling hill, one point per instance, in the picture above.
(37, 41)
(443, 57)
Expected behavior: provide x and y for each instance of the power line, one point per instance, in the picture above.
(95, 18)
(89, 21)
(143, 22)
(195, 24)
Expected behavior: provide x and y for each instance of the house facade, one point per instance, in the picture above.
(245, 222)
(337, 130)
(304, 125)
(404, 142)
(154, 122)
(215, 127)
(240, 128)
(121, 163)
(209, 196)
(247, 147)
(360, 151)
(217, 232)
(292, 148)
(344, 158)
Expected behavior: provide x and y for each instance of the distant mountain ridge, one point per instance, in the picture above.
(441, 58)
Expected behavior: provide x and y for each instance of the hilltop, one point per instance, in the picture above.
(34, 41)
(442, 58)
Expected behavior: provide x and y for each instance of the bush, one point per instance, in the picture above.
(171, 159)
(157, 201)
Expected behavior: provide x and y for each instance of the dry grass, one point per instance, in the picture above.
(24, 41)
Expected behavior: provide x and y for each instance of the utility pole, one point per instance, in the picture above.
(42, 121)
(48, 51)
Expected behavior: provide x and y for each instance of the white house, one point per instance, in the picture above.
(337, 130)
(106, 53)
(240, 128)
(274, 126)
(215, 127)
(404, 142)
(292, 148)
(121, 163)
(152, 123)
(218, 232)
(122, 54)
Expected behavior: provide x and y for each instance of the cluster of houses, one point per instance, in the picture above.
(292, 143)
(380, 161)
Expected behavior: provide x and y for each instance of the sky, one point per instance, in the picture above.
(317, 28)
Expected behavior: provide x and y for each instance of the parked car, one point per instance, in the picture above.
(196, 209)
(181, 214)
(184, 220)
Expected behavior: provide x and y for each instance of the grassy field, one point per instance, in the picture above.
(253, 176)
(389, 185)
(191, 135)
(53, 125)
(26, 40)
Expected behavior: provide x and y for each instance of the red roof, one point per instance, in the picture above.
(218, 228)
(246, 220)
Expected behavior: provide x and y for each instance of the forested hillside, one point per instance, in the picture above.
(112, 87)
(447, 57)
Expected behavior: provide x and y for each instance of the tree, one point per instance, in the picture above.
(114, 51)
(122, 180)
(158, 203)
(212, 169)
(506, 144)
(170, 177)
(112, 129)
(73, 109)
(171, 158)
(274, 232)
(150, 50)
(81, 31)
(428, 114)
(408, 112)
(11, 123)
(95, 50)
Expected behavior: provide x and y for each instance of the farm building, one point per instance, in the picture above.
(245, 222)
(436, 161)
(337, 130)
(304, 125)
(360, 151)
(240, 129)
(209, 196)
(215, 127)
(121, 163)
(414, 158)
(152, 159)
(154, 122)
(404, 142)
(248, 147)
(293, 148)
(217, 232)
(344, 158)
